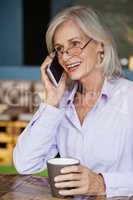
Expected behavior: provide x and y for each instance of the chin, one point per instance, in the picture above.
(75, 76)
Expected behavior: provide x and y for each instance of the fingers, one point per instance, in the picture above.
(70, 192)
(74, 168)
(47, 61)
(44, 66)
(80, 180)
(70, 173)
(67, 177)
(64, 77)
(69, 184)
(75, 178)
(45, 79)
(44, 76)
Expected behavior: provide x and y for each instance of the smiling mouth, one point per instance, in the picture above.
(73, 66)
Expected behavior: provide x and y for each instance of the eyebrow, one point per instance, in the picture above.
(68, 41)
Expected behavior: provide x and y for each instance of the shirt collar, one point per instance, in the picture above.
(106, 90)
(72, 93)
(107, 87)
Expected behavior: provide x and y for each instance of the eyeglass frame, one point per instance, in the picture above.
(67, 50)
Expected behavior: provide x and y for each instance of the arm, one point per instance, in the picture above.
(120, 182)
(37, 142)
(84, 181)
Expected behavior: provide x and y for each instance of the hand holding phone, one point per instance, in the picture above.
(52, 95)
(55, 71)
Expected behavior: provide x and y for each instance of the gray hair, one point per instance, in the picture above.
(89, 23)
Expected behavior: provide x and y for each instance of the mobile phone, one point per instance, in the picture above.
(55, 71)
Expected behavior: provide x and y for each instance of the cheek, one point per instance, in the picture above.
(89, 62)
(90, 58)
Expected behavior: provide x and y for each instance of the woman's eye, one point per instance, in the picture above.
(76, 44)
(59, 49)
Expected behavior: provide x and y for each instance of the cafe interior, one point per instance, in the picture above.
(23, 49)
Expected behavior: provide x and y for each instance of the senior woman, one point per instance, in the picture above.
(91, 120)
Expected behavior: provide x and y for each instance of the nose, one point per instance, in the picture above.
(66, 55)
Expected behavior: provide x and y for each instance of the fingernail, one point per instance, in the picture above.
(55, 184)
(52, 54)
(55, 179)
(60, 192)
(62, 171)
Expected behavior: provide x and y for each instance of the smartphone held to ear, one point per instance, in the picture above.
(55, 71)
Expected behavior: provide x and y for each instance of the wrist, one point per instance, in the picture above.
(48, 100)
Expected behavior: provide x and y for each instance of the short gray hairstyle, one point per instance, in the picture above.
(91, 25)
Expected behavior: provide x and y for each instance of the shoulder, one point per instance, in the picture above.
(122, 95)
(123, 87)
(128, 92)
(127, 86)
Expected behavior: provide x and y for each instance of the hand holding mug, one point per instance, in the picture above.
(82, 180)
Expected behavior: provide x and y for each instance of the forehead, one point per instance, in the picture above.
(66, 31)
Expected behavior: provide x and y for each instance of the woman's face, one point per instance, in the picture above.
(69, 35)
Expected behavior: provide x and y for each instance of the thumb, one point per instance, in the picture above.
(63, 80)
(64, 77)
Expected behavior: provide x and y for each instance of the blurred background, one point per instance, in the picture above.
(23, 24)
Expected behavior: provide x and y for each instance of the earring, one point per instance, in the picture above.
(100, 57)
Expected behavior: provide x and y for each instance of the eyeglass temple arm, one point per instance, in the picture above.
(87, 43)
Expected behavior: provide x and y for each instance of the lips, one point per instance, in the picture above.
(73, 66)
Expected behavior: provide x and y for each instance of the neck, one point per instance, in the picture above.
(91, 83)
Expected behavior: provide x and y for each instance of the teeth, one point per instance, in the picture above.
(73, 65)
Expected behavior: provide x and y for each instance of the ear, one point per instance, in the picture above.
(100, 47)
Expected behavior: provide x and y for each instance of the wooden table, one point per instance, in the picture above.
(17, 187)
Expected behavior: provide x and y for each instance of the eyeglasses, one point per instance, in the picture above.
(73, 51)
